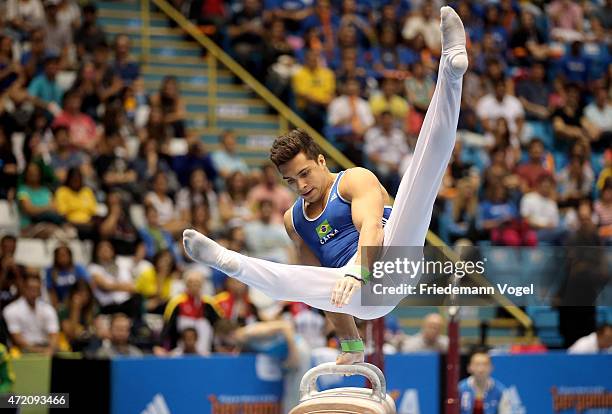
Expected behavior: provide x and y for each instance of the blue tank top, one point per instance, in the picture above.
(331, 236)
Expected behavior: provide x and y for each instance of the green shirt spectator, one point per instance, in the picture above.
(7, 376)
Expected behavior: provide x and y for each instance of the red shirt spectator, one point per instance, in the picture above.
(82, 127)
(530, 171)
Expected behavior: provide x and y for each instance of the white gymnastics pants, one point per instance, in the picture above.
(407, 225)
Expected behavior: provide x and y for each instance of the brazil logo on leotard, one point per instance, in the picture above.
(323, 229)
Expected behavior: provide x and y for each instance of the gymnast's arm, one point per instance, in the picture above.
(361, 187)
(363, 190)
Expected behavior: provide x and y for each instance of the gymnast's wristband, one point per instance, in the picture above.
(352, 345)
(359, 272)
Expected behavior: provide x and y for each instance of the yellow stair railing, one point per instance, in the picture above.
(287, 116)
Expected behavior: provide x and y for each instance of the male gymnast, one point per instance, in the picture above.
(336, 214)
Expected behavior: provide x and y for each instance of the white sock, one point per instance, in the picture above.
(453, 41)
(207, 251)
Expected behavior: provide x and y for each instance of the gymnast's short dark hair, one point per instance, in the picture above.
(288, 145)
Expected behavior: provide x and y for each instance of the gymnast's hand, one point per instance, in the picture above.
(344, 290)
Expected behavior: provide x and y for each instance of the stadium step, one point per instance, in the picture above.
(128, 21)
(256, 126)
(200, 79)
(250, 103)
(183, 71)
(165, 40)
(135, 30)
(109, 11)
(119, 5)
(196, 62)
(166, 51)
(231, 110)
(158, 34)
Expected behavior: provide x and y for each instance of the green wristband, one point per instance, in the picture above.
(360, 272)
(352, 345)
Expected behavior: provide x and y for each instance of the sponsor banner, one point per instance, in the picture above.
(558, 383)
(487, 276)
(214, 385)
(222, 384)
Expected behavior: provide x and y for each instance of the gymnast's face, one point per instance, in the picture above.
(306, 177)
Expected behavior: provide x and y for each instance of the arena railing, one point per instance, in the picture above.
(216, 55)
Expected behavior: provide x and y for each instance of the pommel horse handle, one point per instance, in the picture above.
(308, 385)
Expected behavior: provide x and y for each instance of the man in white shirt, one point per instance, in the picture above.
(599, 115)
(501, 105)
(350, 109)
(541, 212)
(266, 239)
(112, 281)
(350, 116)
(424, 23)
(386, 147)
(598, 341)
(429, 338)
(32, 323)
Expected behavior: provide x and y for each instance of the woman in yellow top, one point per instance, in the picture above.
(76, 202)
(155, 282)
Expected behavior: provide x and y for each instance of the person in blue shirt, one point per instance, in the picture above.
(226, 161)
(574, 65)
(195, 159)
(500, 216)
(391, 56)
(322, 10)
(480, 393)
(291, 12)
(155, 238)
(63, 274)
(44, 88)
(123, 66)
(337, 213)
(493, 26)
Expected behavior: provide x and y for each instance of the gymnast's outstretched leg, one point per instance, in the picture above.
(412, 209)
(309, 284)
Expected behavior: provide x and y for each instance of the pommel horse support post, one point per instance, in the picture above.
(347, 400)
